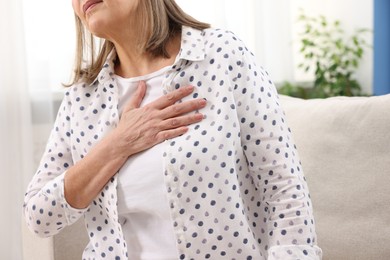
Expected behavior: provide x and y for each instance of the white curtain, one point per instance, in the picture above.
(15, 130)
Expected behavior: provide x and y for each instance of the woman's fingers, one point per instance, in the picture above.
(172, 97)
(161, 103)
(180, 121)
(136, 99)
(166, 105)
(183, 108)
(172, 133)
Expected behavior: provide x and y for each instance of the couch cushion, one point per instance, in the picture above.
(344, 145)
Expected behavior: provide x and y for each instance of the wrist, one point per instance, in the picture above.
(115, 147)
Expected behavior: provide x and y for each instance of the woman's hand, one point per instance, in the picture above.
(143, 127)
(139, 129)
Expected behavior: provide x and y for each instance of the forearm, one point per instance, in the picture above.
(84, 181)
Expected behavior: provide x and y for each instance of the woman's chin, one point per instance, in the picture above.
(96, 27)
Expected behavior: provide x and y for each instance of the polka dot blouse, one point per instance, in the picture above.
(234, 182)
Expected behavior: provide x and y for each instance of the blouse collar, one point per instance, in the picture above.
(192, 49)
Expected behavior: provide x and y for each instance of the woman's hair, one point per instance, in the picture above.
(163, 19)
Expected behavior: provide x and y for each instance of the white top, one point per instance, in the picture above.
(142, 201)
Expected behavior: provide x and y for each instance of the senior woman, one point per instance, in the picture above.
(172, 145)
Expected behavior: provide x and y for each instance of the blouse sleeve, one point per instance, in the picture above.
(45, 209)
(274, 164)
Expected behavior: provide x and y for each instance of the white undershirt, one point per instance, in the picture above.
(142, 203)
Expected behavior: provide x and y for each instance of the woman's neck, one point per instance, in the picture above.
(133, 62)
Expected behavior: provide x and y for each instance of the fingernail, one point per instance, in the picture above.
(190, 87)
(199, 116)
(202, 102)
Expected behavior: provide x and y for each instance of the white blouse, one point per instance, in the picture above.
(143, 206)
(234, 182)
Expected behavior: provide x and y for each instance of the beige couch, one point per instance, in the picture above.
(344, 144)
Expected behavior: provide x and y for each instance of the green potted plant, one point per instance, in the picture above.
(331, 55)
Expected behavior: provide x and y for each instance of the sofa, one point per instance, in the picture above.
(344, 146)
